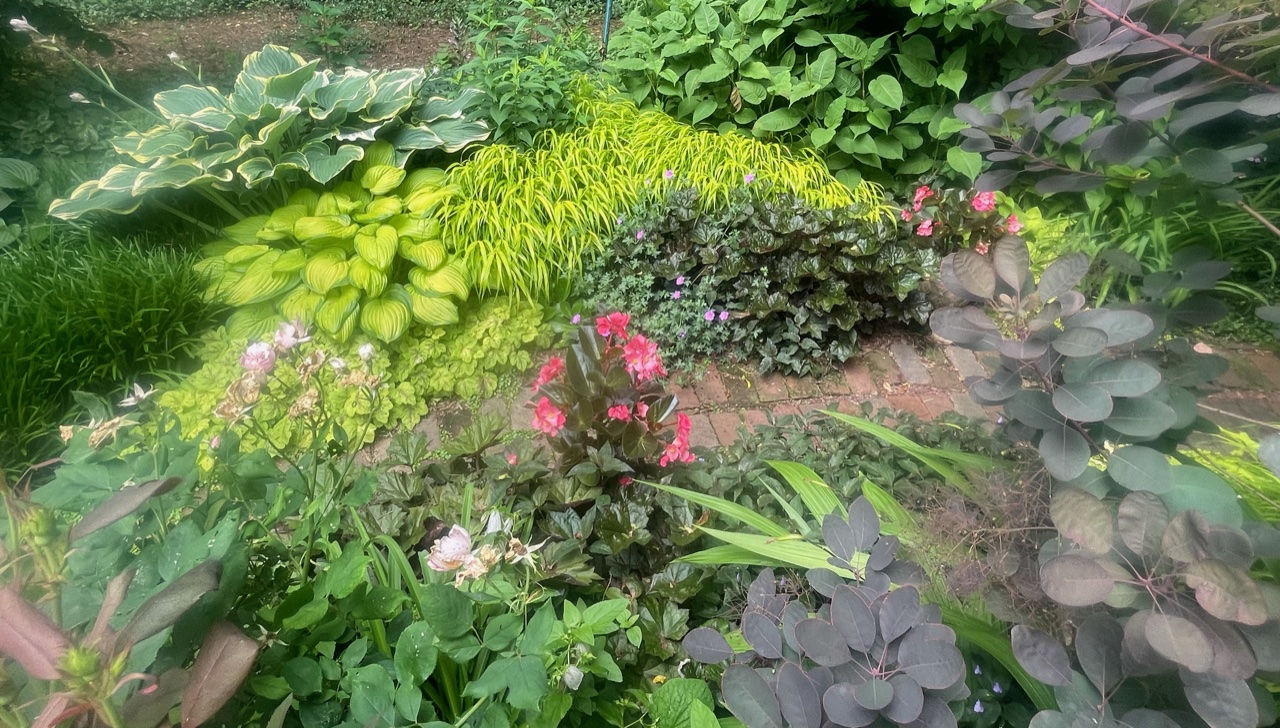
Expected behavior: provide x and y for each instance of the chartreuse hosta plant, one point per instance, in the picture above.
(525, 220)
(365, 255)
(1186, 622)
(862, 651)
(285, 124)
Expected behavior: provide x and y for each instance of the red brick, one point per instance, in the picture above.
(710, 388)
(700, 432)
(935, 403)
(686, 397)
(909, 403)
(834, 384)
(1269, 367)
(787, 408)
(771, 388)
(963, 404)
(754, 418)
(726, 426)
(858, 377)
(884, 371)
(803, 387)
(909, 363)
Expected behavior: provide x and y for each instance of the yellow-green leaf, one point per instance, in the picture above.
(421, 179)
(336, 226)
(246, 231)
(366, 277)
(433, 311)
(385, 318)
(449, 279)
(381, 179)
(338, 306)
(252, 322)
(306, 198)
(300, 304)
(325, 270)
(280, 225)
(244, 254)
(429, 255)
(379, 249)
(290, 261)
(424, 201)
(414, 226)
(380, 209)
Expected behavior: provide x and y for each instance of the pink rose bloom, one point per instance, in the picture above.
(676, 295)
(1014, 224)
(925, 229)
(549, 372)
(679, 280)
(620, 412)
(625, 480)
(451, 551)
(724, 315)
(615, 324)
(640, 358)
(547, 419)
(290, 335)
(984, 201)
(259, 357)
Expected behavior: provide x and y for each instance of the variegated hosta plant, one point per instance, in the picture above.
(285, 124)
(851, 653)
(365, 255)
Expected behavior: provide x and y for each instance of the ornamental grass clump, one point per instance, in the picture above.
(526, 221)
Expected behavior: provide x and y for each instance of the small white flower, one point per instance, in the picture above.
(338, 363)
(79, 98)
(573, 677)
(173, 57)
(366, 352)
(21, 25)
(995, 688)
(139, 394)
(496, 523)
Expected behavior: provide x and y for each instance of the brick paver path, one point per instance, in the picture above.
(919, 375)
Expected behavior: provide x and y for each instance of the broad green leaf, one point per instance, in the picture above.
(448, 280)
(432, 310)
(372, 695)
(523, 678)
(378, 249)
(325, 271)
(1140, 468)
(387, 317)
(886, 90)
(968, 164)
(776, 121)
(415, 654)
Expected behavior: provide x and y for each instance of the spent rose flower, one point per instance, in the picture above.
(547, 419)
(620, 412)
(173, 57)
(21, 25)
(290, 334)
(549, 372)
(258, 357)
(615, 324)
(79, 98)
(451, 551)
(925, 229)
(1013, 224)
(984, 201)
(640, 358)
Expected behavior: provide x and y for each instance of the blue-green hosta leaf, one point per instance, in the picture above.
(366, 277)
(256, 171)
(324, 271)
(201, 105)
(432, 310)
(438, 107)
(268, 139)
(168, 174)
(379, 249)
(350, 92)
(323, 165)
(271, 61)
(393, 92)
(160, 141)
(386, 318)
(430, 255)
(381, 179)
(119, 178)
(248, 97)
(339, 305)
(447, 280)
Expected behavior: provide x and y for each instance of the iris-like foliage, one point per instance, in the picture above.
(365, 255)
(285, 124)
(864, 652)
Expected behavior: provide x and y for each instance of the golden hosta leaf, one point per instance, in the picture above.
(414, 226)
(260, 282)
(433, 311)
(447, 280)
(421, 179)
(307, 198)
(378, 249)
(386, 318)
(380, 209)
(325, 270)
(381, 179)
(245, 231)
(366, 277)
(429, 255)
(338, 306)
(424, 201)
(353, 192)
(280, 225)
(331, 226)
(300, 304)
(243, 254)
(253, 322)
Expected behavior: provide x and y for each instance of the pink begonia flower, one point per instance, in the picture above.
(549, 372)
(981, 248)
(547, 419)
(258, 357)
(512, 458)
(1013, 224)
(640, 358)
(678, 449)
(216, 442)
(679, 280)
(922, 193)
(984, 201)
(451, 551)
(669, 174)
(642, 410)
(615, 324)
(925, 229)
(906, 215)
(290, 334)
(710, 315)
(620, 412)
(625, 480)
(748, 178)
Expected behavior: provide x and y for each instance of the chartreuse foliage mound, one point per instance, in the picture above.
(285, 124)
(524, 221)
(363, 256)
(467, 359)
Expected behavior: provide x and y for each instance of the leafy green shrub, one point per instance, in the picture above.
(87, 314)
(464, 359)
(792, 282)
(525, 222)
(527, 62)
(16, 176)
(865, 83)
(303, 126)
(326, 34)
(854, 651)
(364, 256)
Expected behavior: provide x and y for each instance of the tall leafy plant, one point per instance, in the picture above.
(858, 81)
(284, 125)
